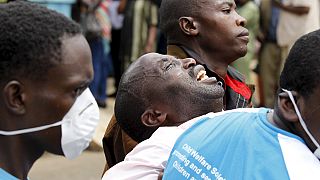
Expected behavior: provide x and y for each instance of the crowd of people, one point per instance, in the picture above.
(133, 29)
(186, 104)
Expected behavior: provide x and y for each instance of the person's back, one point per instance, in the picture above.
(243, 145)
(294, 24)
(296, 19)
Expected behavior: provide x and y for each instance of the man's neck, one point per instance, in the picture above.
(217, 67)
(18, 156)
(217, 64)
(277, 121)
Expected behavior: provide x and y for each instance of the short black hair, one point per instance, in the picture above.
(131, 101)
(301, 71)
(171, 10)
(31, 39)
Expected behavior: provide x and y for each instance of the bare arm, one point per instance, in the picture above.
(122, 6)
(298, 10)
(152, 34)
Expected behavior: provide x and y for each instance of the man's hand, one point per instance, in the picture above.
(160, 175)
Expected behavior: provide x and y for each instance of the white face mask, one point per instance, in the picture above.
(77, 126)
(303, 124)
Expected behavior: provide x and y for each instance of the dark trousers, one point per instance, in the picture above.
(100, 66)
(115, 47)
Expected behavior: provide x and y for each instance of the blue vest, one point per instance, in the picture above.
(238, 144)
(6, 176)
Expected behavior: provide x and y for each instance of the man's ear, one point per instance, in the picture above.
(153, 118)
(188, 26)
(14, 97)
(286, 107)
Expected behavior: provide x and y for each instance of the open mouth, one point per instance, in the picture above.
(201, 76)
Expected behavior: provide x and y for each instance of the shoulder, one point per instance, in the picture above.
(229, 119)
(235, 74)
(5, 175)
(148, 158)
(301, 163)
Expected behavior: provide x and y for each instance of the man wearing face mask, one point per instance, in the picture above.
(261, 143)
(45, 105)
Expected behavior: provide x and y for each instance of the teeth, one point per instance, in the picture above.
(201, 75)
(205, 77)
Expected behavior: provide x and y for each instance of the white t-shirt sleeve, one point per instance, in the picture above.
(149, 157)
(301, 163)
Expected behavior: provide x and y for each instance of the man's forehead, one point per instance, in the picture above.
(151, 64)
(218, 2)
(213, 4)
(153, 60)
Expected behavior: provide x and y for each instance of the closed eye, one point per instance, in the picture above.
(226, 11)
(169, 66)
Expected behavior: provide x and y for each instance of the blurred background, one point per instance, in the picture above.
(116, 40)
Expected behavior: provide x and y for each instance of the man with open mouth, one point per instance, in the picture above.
(212, 33)
(161, 91)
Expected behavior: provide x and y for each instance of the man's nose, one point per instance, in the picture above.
(188, 62)
(241, 21)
